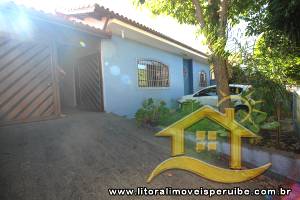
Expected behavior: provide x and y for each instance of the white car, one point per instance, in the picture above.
(208, 96)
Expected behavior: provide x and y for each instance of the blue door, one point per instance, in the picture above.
(188, 76)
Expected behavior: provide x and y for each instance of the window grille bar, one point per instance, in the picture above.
(152, 74)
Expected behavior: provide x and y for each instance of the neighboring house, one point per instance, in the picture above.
(88, 57)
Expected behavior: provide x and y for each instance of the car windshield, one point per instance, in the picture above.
(212, 91)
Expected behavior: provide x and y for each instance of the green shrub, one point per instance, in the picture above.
(151, 112)
(185, 109)
(256, 121)
(190, 106)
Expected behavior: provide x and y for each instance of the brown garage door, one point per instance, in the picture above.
(27, 89)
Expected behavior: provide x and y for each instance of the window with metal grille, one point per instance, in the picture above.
(203, 79)
(212, 74)
(152, 73)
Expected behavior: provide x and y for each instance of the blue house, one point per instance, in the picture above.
(95, 59)
(139, 63)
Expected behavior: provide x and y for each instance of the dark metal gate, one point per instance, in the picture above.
(27, 83)
(89, 83)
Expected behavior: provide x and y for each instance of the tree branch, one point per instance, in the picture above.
(199, 13)
(223, 16)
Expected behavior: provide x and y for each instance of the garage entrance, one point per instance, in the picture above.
(37, 82)
(80, 78)
(47, 64)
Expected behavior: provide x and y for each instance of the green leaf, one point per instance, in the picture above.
(222, 133)
(270, 125)
(260, 117)
(254, 128)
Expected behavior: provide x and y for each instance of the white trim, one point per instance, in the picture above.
(153, 88)
(121, 23)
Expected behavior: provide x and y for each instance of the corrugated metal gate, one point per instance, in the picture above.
(27, 87)
(88, 80)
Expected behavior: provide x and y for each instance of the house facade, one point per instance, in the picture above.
(91, 58)
(122, 71)
(134, 46)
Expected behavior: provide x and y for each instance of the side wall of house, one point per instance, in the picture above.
(119, 61)
(197, 69)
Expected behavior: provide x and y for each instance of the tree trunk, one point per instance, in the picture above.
(222, 81)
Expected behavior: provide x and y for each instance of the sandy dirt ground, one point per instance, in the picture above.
(84, 154)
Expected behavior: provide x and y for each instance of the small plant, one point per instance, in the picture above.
(190, 106)
(151, 112)
(256, 121)
(185, 109)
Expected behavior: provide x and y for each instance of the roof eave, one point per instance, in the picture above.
(54, 19)
(96, 9)
(192, 54)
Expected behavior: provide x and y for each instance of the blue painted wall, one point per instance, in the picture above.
(119, 61)
(197, 68)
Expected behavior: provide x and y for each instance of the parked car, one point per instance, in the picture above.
(208, 96)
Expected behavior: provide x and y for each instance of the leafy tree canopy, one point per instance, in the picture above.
(278, 49)
(281, 67)
(213, 23)
(279, 16)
